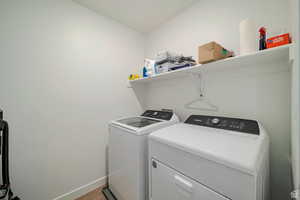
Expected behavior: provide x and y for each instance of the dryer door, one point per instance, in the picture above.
(167, 183)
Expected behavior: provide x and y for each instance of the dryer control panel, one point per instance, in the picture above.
(232, 124)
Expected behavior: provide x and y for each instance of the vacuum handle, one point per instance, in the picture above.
(0, 142)
(4, 148)
(1, 134)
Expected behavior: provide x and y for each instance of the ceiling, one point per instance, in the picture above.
(141, 15)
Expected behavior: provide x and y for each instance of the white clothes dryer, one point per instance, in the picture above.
(209, 158)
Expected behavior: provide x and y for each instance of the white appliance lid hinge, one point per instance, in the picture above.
(295, 195)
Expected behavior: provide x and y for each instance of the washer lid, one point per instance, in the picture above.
(141, 125)
(138, 122)
(233, 149)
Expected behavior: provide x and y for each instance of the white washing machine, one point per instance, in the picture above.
(128, 153)
(209, 158)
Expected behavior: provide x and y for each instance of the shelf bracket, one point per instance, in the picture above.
(292, 53)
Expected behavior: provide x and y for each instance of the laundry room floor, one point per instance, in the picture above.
(93, 195)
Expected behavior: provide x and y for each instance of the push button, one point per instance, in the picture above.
(215, 121)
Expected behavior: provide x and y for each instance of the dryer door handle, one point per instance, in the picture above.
(183, 184)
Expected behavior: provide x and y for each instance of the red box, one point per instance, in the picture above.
(278, 40)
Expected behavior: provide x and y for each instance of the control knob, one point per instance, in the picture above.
(215, 121)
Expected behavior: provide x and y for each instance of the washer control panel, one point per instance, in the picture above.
(164, 115)
(232, 124)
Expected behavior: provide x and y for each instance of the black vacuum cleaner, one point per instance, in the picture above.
(5, 188)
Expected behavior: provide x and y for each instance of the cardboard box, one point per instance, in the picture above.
(212, 52)
(278, 40)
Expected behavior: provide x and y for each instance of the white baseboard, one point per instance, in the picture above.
(78, 192)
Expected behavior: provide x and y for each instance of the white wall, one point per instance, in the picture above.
(216, 21)
(295, 138)
(63, 73)
(245, 94)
